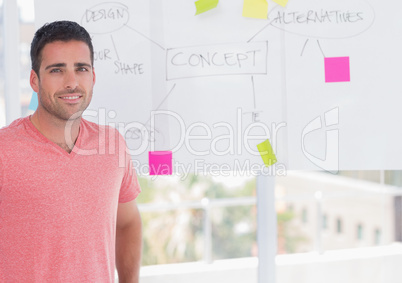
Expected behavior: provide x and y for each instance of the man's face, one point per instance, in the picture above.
(66, 79)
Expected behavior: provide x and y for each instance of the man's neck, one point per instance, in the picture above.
(64, 133)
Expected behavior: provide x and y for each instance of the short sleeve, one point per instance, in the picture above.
(130, 187)
(1, 174)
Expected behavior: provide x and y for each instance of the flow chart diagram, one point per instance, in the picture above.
(220, 83)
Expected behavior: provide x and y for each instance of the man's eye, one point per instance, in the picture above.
(55, 70)
(83, 69)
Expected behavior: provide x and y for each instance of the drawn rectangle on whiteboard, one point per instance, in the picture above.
(216, 60)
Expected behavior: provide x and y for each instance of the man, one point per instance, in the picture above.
(67, 206)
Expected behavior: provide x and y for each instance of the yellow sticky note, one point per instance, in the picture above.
(257, 9)
(267, 153)
(205, 5)
(281, 2)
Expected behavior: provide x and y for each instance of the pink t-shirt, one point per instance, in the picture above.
(58, 210)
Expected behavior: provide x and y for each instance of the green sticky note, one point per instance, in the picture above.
(257, 9)
(281, 2)
(267, 153)
(205, 5)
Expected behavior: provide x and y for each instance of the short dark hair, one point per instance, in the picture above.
(57, 31)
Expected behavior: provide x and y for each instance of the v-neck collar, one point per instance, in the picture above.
(37, 134)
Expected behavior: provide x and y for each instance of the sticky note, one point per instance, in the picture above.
(34, 102)
(205, 5)
(337, 69)
(257, 9)
(281, 2)
(267, 153)
(160, 162)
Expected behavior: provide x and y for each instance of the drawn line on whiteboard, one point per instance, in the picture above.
(252, 81)
(318, 42)
(160, 104)
(304, 47)
(170, 91)
(154, 42)
(115, 49)
(267, 25)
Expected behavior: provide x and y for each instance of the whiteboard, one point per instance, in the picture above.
(210, 87)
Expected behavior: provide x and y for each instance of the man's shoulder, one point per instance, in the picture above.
(13, 130)
(13, 137)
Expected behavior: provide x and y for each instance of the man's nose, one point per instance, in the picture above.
(70, 80)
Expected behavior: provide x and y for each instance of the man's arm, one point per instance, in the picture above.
(128, 242)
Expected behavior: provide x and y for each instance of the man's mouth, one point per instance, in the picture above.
(70, 97)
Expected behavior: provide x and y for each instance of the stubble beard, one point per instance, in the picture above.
(60, 111)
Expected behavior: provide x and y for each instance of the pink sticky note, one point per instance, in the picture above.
(160, 162)
(337, 69)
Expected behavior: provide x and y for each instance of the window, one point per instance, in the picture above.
(2, 101)
(338, 226)
(377, 236)
(324, 222)
(27, 30)
(359, 231)
(304, 215)
(194, 218)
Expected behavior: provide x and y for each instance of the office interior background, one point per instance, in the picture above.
(344, 227)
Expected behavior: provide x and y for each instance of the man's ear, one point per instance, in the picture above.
(34, 81)
(93, 72)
